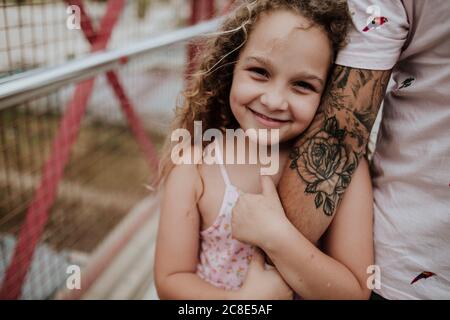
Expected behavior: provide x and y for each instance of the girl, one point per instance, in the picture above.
(267, 69)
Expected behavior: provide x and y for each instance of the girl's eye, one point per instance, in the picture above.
(259, 71)
(304, 85)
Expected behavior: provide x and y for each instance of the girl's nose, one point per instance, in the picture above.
(274, 100)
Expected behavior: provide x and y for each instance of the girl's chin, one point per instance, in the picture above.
(262, 136)
(267, 139)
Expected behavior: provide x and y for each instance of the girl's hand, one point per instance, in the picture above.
(263, 283)
(258, 216)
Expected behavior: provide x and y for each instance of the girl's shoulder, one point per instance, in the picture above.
(186, 178)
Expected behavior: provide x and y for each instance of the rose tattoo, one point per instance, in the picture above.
(324, 164)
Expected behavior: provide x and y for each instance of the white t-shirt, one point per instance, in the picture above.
(411, 163)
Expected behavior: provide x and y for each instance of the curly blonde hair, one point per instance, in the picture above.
(206, 97)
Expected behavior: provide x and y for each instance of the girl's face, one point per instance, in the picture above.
(280, 75)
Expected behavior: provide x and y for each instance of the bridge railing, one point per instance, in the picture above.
(78, 143)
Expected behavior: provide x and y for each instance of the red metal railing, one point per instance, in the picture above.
(38, 212)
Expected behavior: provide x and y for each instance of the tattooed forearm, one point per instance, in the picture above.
(368, 110)
(325, 165)
(358, 91)
(327, 154)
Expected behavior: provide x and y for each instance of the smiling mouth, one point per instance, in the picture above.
(266, 118)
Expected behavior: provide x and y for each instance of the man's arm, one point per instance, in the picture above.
(326, 155)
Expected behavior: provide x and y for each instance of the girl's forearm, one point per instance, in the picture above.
(307, 270)
(189, 286)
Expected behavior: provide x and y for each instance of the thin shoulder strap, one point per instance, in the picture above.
(220, 161)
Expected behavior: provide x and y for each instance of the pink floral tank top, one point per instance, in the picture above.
(223, 260)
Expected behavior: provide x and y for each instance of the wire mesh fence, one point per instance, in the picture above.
(71, 162)
(106, 173)
(34, 33)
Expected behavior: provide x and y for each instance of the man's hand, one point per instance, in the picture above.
(263, 282)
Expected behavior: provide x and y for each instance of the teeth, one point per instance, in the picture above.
(263, 116)
(267, 118)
